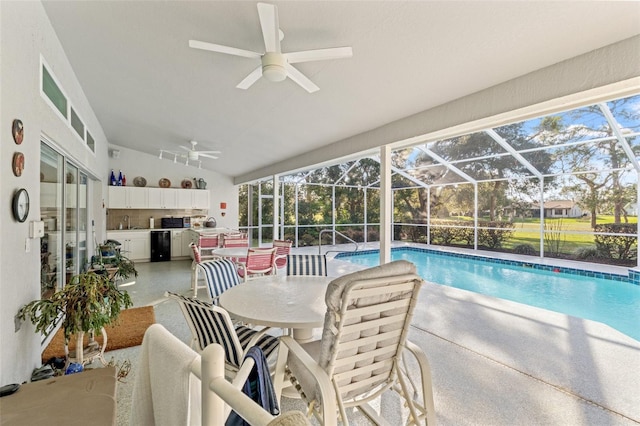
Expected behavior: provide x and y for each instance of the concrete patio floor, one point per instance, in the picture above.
(494, 362)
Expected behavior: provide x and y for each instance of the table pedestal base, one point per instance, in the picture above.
(303, 335)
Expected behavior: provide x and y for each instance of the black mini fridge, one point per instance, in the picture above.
(160, 246)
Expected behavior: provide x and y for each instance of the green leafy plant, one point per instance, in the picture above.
(109, 257)
(88, 302)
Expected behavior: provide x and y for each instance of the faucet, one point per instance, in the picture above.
(126, 217)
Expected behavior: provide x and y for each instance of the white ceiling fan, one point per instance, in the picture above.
(276, 66)
(193, 154)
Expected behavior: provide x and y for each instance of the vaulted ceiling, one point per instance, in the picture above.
(151, 92)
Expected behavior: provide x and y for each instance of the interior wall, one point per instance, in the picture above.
(25, 35)
(221, 187)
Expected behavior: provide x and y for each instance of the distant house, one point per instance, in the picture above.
(631, 209)
(557, 209)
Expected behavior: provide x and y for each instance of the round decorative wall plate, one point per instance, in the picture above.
(139, 181)
(18, 163)
(187, 184)
(18, 131)
(164, 183)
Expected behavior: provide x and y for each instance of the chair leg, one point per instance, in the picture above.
(427, 388)
(194, 280)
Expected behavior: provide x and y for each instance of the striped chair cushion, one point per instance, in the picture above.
(307, 264)
(212, 324)
(220, 276)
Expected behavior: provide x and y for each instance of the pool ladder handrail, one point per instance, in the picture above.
(333, 231)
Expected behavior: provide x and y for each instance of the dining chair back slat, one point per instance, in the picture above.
(207, 243)
(220, 275)
(260, 262)
(307, 264)
(235, 240)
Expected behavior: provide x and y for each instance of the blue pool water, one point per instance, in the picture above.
(614, 303)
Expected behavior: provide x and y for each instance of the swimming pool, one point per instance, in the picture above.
(615, 303)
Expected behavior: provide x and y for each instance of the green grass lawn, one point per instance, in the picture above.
(527, 231)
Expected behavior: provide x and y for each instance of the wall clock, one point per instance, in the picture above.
(21, 205)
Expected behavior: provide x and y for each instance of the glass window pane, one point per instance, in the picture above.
(90, 142)
(77, 124)
(53, 92)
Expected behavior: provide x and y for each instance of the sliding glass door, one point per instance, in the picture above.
(64, 248)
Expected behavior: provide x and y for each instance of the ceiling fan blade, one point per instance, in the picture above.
(270, 27)
(319, 54)
(185, 148)
(209, 152)
(251, 78)
(208, 156)
(301, 79)
(223, 49)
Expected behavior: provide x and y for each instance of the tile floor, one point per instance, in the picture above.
(493, 362)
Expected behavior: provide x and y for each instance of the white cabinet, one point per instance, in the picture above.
(180, 240)
(200, 198)
(128, 197)
(163, 198)
(193, 199)
(136, 245)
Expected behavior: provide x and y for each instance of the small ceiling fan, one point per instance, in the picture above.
(276, 66)
(193, 154)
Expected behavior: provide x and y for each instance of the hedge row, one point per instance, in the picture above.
(617, 246)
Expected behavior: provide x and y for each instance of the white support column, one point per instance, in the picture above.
(276, 207)
(541, 218)
(385, 204)
(475, 216)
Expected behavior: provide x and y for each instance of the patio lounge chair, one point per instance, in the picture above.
(362, 350)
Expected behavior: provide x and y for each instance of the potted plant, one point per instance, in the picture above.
(86, 304)
(110, 261)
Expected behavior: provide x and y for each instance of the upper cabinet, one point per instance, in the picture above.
(163, 198)
(193, 199)
(132, 197)
(128, 197)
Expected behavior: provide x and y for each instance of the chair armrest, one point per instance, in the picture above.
(255, 338)
(289, 347)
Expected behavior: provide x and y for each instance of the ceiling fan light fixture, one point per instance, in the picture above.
(193, 155)
(273, 66)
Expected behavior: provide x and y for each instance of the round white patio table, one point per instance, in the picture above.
(295, 302)
(231, 252)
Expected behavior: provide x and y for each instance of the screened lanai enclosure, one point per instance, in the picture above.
(563, 185)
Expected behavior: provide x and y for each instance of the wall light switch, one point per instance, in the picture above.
(36, 229)
(27, 245)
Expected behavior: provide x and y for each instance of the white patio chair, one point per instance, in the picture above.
(360, 355)
(212, 324)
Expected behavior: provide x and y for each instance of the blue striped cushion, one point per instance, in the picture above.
(307, 264)
(212, 324)
(220, 276)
